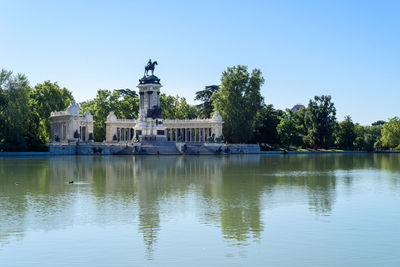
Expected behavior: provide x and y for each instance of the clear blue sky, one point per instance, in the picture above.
(347, 49)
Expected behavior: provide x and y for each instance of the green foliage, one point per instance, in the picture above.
(14, 111)
(378, 123)
(175, 107)
(206, 108)
(291, 128)
(320, 121)
(124, 107)
(391, 133)
(367, 137)
(287, 129)
(345, 134)
(238, 102)
(45, 98)
(267, 119)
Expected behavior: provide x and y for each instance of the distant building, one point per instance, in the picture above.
(70, 125)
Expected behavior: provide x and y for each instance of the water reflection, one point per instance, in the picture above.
(231, 192)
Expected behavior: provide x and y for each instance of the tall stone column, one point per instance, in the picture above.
(176, 134)
(149, 97)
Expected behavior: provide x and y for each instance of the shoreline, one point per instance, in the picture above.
(49, 154)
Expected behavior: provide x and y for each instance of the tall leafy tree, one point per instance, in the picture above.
(345, 134)
(266, 122)
(238, 102)
(14, 111)
(287, 129)
(175, 107)
(206, 108)
(391, 133)
(45, 98)
(320, 120)
(367, 136)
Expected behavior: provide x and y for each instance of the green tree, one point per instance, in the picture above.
(287, 129)
(320, 120)
(175, 107)
(267, 119)
(378, 123)
(238, 102)
(45, 98)
(391, 133)
(14, 111)
(124, 107)
(345, 134)
(206, 108)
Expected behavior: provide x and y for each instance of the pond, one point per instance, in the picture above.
(279, 210)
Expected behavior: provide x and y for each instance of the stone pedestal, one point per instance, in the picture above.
(149, 126)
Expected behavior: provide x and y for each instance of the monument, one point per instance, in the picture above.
(149, 126)
(150, 133)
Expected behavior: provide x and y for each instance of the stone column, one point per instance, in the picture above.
(149, 96)
(176, 134)
(203, 133)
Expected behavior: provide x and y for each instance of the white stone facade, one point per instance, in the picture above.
(197, 130)
(65, 124)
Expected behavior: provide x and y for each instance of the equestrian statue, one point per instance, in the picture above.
(150, 66)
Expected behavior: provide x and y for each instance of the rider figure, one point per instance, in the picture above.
(148, 66)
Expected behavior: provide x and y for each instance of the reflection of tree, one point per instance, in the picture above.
(240, 194)
(231, 191)
(33, 191)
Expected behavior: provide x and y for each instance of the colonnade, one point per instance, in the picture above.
(189, 134)
(59, 130)
(125, 134)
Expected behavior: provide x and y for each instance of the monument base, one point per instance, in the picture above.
(151, 130)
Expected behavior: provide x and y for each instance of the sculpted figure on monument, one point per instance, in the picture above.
(150, 66)
(149, 78)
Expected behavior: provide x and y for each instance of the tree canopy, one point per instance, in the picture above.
(206, 108)
(320, 120)
(345, 134)
(25, 111)
(391, 133)
(238, 102)
(124, 107)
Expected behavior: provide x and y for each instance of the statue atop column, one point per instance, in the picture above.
(149, 78)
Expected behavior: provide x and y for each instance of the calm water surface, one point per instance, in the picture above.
(278, 210)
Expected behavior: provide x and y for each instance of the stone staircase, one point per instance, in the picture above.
(197, 149)
(161, 148)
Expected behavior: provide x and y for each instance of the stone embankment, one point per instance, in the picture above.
(152, 148)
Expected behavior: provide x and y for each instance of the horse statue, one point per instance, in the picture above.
(150, 66)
